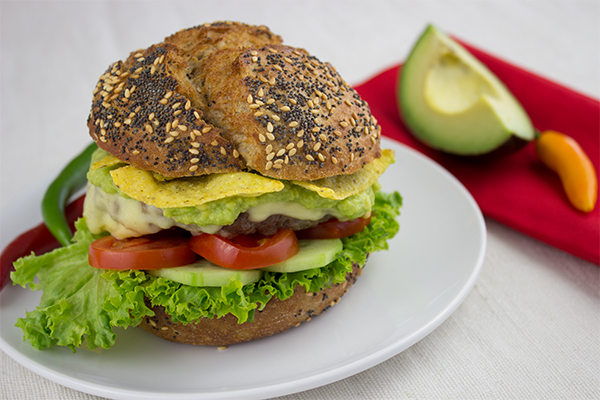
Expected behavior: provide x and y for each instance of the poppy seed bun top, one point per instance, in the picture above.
(227, 97)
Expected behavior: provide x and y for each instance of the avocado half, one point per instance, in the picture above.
(452, 102)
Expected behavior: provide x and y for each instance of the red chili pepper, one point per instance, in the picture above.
(38, 239)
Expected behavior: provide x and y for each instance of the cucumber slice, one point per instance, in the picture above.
(205, 273)
(312, 254)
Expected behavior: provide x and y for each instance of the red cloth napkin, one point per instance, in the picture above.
(516, 190)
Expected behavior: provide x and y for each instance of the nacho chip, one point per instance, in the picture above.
(342, 186)
(187, 192)
(107, 161)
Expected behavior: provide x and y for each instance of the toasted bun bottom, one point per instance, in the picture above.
(277, 316)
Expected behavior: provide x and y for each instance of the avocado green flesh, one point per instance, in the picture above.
(452, 102)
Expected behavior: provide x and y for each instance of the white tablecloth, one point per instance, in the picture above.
(528, 330)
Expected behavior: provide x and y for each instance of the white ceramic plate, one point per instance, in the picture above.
(404, 294)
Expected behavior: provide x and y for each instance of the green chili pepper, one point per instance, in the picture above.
(70, 180)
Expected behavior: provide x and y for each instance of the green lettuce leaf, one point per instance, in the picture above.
(81, 305)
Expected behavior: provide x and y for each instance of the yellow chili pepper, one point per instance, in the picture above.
(563, 155)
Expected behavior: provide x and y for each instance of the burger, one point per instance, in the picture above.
(234, 194)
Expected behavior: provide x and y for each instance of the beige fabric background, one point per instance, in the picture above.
(530, 327)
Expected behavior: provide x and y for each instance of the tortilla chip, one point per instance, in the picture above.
(107, 161)
(188, 192)
(340, 187)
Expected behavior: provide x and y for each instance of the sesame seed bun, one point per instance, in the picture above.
(227, 97)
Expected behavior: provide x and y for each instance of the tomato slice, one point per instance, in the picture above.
(334, 229)
(246, 252)
(161, 250)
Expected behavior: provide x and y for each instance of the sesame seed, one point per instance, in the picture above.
(253, 53)
(278, 68)
(300, 133)
(196, 132)
(250, 100)
(275, 117)
(214, 143)
(195, 160)
(176, 113)
(289, 146)
(270, 136)
(193, 168)
(182, 127)
(277, 166)
(195, 144)
(269, 148)
(317, 146)
(285, 108)
(322, 137)
(321, 157)
(206, 129)
(149, 128)
(176, 105)
(300, 144)
(315, 129)
(272, 50)
(269, 127)
(280, 152)
(196, 115)
(261, 137)
(168, 127)
(188, 105)
(337, 133)
(348, 102)
(258, 113)
(270, 101)
(293, 124)
(269, 165)
(168, 94)
(270, 156)
(334, 160)
(222, 150)
(254, 105)
(175, 123)
(310, 158)
(236, 154)
(174, 133)
(287, 59)
(292, 152)
(169, 139)
(151, 116)
(261, 93)
(163, 101)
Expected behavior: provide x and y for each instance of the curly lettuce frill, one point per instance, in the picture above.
(81, 305)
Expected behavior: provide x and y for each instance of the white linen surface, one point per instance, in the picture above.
(528, 330)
